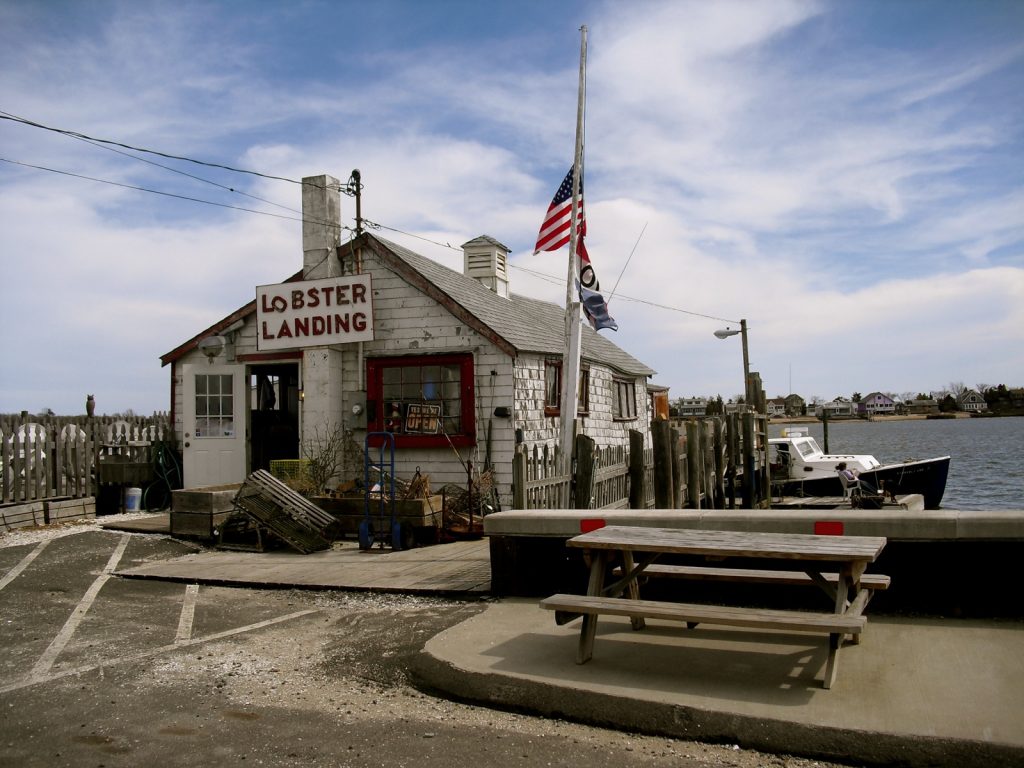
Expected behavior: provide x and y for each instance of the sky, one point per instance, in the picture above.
(846, 176)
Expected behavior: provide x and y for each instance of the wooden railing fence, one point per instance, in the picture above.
(538, 482)
(58, 456)
(704, 465)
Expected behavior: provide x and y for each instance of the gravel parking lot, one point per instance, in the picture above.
(103, 671)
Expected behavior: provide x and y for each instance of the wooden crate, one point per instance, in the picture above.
(350, 511)
(198, 512)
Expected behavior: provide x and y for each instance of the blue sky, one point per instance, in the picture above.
(848, 177)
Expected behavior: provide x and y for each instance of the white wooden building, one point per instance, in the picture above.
(454, 365)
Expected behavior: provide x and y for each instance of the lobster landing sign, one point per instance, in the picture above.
(314, 313)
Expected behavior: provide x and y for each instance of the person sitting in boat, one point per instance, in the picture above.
(849, 474)
(852, 478)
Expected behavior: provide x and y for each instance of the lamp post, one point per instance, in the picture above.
(726, 333)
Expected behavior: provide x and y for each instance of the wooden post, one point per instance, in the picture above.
(734, 456)
(693, 464)
(719, 448)
(637, 475)
(762, 457)
(749, 484)
(519, 478)
(663, 481)
(677, 471)
(583, 488)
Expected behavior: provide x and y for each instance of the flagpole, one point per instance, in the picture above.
(573, 309)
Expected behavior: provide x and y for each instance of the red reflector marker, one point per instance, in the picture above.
(828, 527)
(589, 524)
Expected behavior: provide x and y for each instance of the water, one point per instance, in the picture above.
(985, 472)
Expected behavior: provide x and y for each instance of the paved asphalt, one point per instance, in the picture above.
(100, 670)
(108, 672)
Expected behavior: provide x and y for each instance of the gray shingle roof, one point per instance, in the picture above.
(529, 325)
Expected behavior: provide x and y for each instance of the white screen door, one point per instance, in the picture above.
(214, 424)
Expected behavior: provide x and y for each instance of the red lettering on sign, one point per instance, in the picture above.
(358, 293)
(277, 303)
(319, 326)
(285, 331)
(314, 297)
(266, 335)
(297, 301)
(359, 321)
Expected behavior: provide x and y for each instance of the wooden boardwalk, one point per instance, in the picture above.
(461, 567)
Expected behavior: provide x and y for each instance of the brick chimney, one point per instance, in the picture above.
(486, 260)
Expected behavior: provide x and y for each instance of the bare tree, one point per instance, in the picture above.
(957, 389)
(326, 451)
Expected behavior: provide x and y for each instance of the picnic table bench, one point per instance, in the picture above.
(636, 550)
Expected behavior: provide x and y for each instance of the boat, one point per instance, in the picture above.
(800, 468)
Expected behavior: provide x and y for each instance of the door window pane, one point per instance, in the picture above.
(214, 405)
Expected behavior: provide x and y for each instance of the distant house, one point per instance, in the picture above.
(691, 406)
(795, 405)
(919, 407)
(840, 408)
(972, 402)
(876, 404)
(370, 338)
(776, 407)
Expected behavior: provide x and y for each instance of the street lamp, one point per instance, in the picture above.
(726, 333)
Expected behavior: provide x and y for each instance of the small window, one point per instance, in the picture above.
(625, 399)
(553, 389)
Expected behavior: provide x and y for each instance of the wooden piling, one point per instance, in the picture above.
(661, 435)
(637, 475)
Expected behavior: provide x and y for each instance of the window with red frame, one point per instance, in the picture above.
(440, 385)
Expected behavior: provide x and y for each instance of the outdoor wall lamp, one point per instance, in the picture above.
(726, 333)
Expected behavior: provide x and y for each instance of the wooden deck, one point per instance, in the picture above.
(461, 567)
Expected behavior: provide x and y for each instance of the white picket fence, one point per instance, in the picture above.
(57, 457)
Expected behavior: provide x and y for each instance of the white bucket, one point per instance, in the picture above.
(132, 499)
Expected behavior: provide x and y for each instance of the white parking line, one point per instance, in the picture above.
(188, 613)
(15, 572)
(63, 637)
(154, 651)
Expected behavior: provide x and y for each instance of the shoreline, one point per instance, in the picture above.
(893, 417)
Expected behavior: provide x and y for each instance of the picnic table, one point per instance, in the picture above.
(835, 564)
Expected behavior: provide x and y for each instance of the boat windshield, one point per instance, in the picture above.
(807, 446)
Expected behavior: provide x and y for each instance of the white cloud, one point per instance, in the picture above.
(831, 189)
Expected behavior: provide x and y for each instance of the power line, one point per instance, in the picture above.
(366, 222)
(554, 280)
(84, 137)
(186, 174)
(77, 135)
(165, 194)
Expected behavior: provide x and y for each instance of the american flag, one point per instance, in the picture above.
(554, 232)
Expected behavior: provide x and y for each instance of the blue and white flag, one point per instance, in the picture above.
(594, 305)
